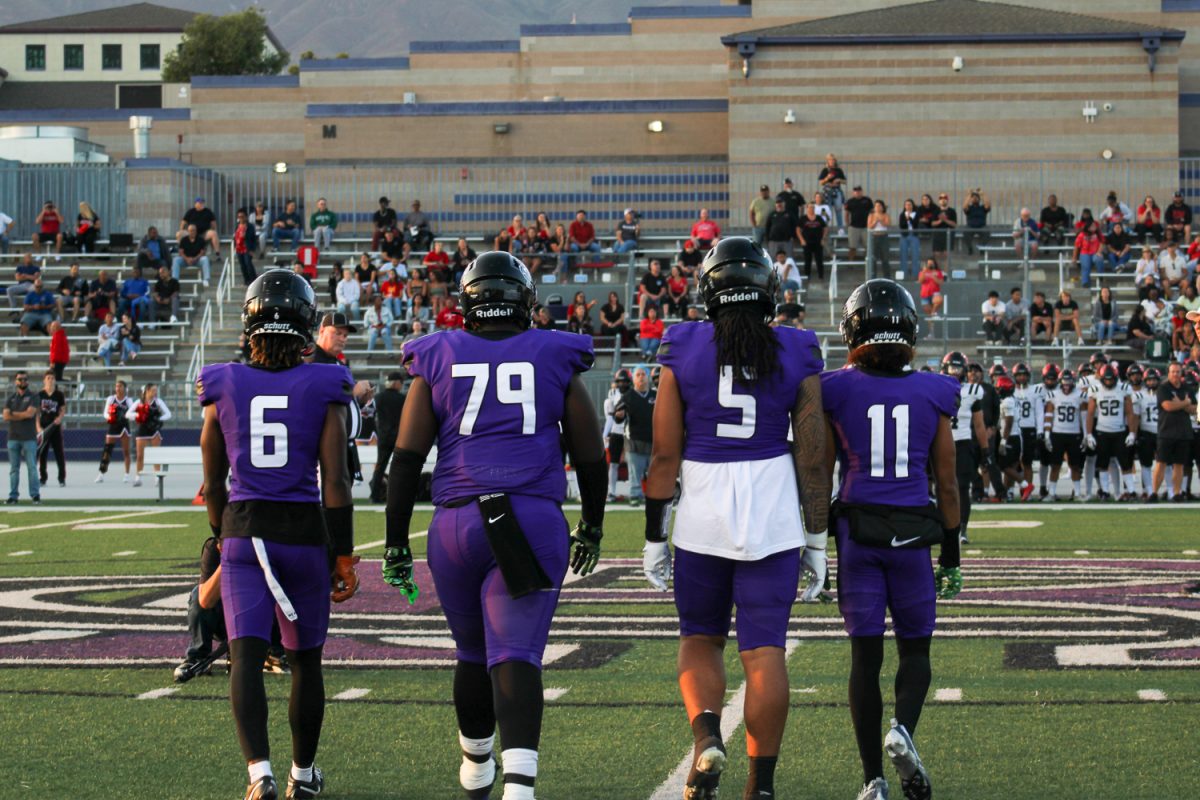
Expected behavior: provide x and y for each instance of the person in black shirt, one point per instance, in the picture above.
(628, 231)
(781, 229)
(636, 410)
(944, 223)
(288, 225)
(858, 209)
(393, 245)
(388, 405)
(689, 257)
(1119, 247)
(789, 312)
(1054, 221)
(165, 296)
(1177, 221)
(811, 233)
(460, 258)
(654, 287)
(832, 181)
(52, 407)
(612, 317)
(102, 295)
(384, 221)
(1175, 407)
(793, 201)
(71, 289)
(205, 222)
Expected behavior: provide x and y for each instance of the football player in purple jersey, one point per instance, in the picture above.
(268, 424)
(887, 423)
(730, 391)
(494, 396)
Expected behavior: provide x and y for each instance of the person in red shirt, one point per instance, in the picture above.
(650, 332)
(243, 236)
(583, 234)
(705, 232)
(1149, 221)
(49, 223)
(449, 317)
(437, 263)
(1088, 244)
(508, 240)
(392, 291)
(60, 350)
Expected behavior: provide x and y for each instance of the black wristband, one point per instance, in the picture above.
(403, 477)
(340, 523)
(657, 514)
(950, 555)
(216, 530)
(593, 488)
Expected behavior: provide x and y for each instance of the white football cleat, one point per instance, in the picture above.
(875, 790)
(99, 477)
(914, 780)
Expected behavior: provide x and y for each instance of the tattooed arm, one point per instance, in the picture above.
(809, 449)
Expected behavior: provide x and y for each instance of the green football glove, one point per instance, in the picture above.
(398, 571)
(586, 540)
(948, 582)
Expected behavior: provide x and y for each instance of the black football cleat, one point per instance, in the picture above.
(302, 790)
(262, 789)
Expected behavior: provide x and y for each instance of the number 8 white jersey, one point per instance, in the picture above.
(1068, 411)
(970, 401)
(1030, 406)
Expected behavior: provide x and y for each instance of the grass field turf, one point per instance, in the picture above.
(1020, 730)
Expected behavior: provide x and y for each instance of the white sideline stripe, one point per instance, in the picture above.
(369, 545)
(552, 693)
(974, 552)
(352, 694)
(47, 635)
(155, 694)
(1004, 523)
(127, 526)
(71, 522)
(807, 690)
(1083, 552)
(21, 553)
(1191, 552)
(731, 720)
(948, 695)
(123, 553)
(1152, 695)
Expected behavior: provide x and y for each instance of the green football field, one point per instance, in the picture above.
(1066, 669)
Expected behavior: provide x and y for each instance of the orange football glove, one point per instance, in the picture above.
(345, 579)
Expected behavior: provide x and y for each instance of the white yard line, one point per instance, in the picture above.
(352, 694)
(731, 720)
(553, 693)
(948, 695)
(124, 553)
(155, 694)
(1152, 695)
(84, 520)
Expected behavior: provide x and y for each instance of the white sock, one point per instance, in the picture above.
(1075, 486)
(1043, 470)
(473, 774)
(519, 761)
(259, 770)
(1089, 474)
(1024, 484)
(1128, 482)
(302, 773)
(1105, 482)
(1147, 479)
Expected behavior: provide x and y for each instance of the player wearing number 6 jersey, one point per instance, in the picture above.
(267, 426)
(729, 392)
(886, 425)
(494, 396)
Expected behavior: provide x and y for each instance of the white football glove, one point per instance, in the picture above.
(1091, 442)
(1002, 446)
(1049, 442)
(656, 564)
(1130, 439)
(814, 566)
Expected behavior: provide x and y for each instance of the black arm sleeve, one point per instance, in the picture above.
(403, 477)
(340, 522)
(950, 556)
(593, 488)
(657, 513)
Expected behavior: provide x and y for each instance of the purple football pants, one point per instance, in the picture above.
(872, 580)
(302, 571)
(488, 626)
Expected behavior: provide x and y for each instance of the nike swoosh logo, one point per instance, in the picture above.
(904, 542)
(493, 519)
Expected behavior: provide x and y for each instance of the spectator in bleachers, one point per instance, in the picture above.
(102, 296)
(910, 242)
(331, 283)
(87, 228)
(650, 332)
(243, 246)
(1183, 339)
(1145, 274)
(689, 257)
(450, 317)
(931, 278)
(205, 222)
(786, 270)
(943, 226)
(191, 254)
(993, 319)
(27, 270)
(1118, 248)
(1177, 220)
(323, 223)
(858, 210)
(760, 208)
(260, 218)
(692, 315)
(1190, 299)
(71, 291)
(578, 321)
(534, 246)
(393, 247)
(152, 250)
(705, 231)
(165, 296)
(793, 202)
(780, 231)
(822, 210)
(130, 335)
(419, 309)
(1025, 234)
(49, 227)
(348, 294)
(832, 180)
(463, 255)
(416, 330)
(629, 229)
(288, 225)
(927, 212)
(545, 228)
(560, 246)
(392, 291)
(653, 287)
(38, 309)
(811, 232)
(1015, 311)
(383, 220)
(418, 233)
(418, 286)
(378, 324)
(675, 303)
(6, 229)
(60, 350)
(1066, 317)
(1105, 317)
(789, 312)
(1053, 222)
(878, 224)
(580, 301)
(20, 411)
(108, 338)
(437, 262)
(1086, 254)
(367, 276)
(1148, 221)
(975, 214)
(508, 239)
(1138, 329)
(1114, 211)
(583, 234)
(135, 295)
(1041, 317)
(612, 317)
(299, 269)
(542, 319)
(1156, 310)
(1086, 221)
(1173, 270)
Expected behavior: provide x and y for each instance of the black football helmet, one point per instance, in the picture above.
(996, 370)
(655, 374)
(954, 364)
(280, 302)
(1135, 374)
(1097, 360)
(1108, 375)
(1004, 386)
(879, 311)
(1153, 378)
(1067, 380)
(737, 271)
(1020, 373)
(1085, 370)
(1050, 375)
(496, 286)
(623, 379)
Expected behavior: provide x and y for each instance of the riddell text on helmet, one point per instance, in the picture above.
(740, 297)
(494, 312)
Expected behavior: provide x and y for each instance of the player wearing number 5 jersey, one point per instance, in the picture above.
(729, 393)
(267, 426)
(497, 397)
(887, 424)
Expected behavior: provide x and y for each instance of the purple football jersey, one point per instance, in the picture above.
(884, 427)
(498, 403)
(272, 422)
(728, 421)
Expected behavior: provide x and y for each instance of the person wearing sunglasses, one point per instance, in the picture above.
(20, 410)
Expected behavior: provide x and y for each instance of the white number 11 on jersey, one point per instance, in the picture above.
(878, 416)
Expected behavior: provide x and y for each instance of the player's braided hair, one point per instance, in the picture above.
(276, 352)
(882, 357)
(745, 342)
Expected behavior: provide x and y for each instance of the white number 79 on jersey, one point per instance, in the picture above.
(514, 386)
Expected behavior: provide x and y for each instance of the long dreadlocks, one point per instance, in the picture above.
(746, 343)
(276, 352)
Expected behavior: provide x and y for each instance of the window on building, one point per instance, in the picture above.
(72, 56)
(150, 57)
(35, 57)
(110, 56)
